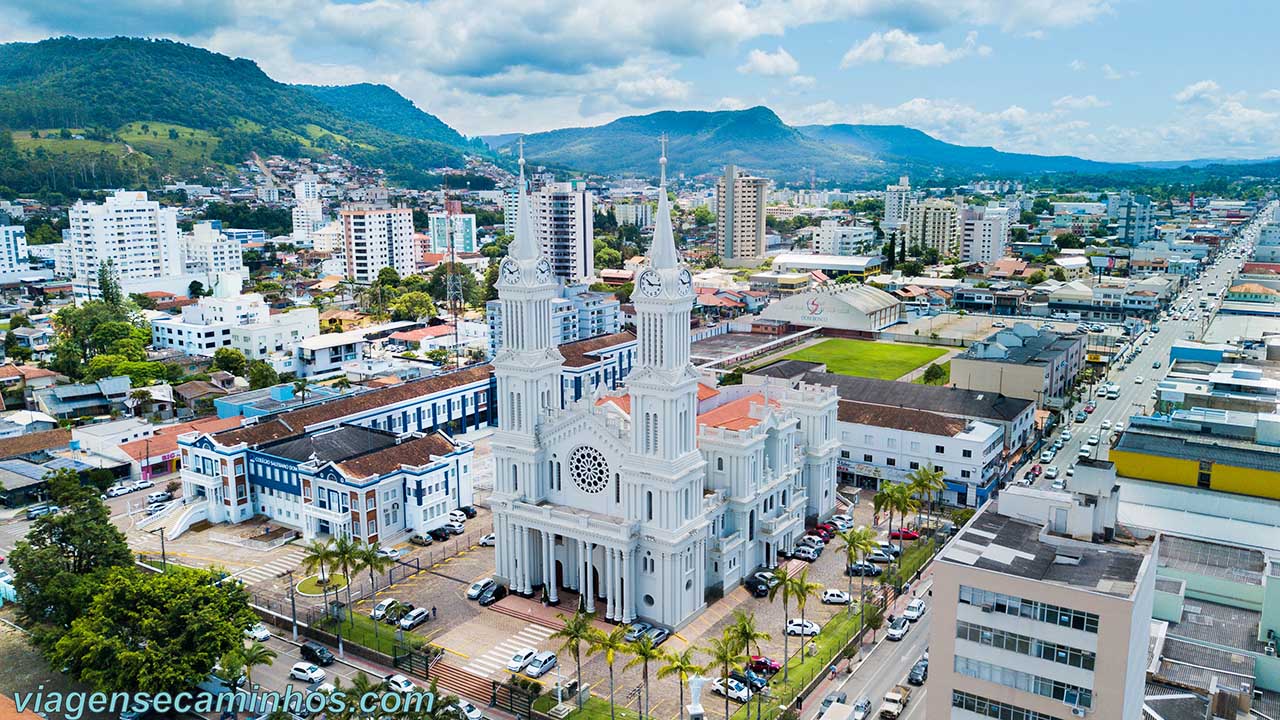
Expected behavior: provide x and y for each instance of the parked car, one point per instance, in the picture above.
(734, 689)
(453, 528)
(394, 614)
(805, 628)
(842, 521)
(399, 683)
(316, 653)
(469, 711)
(860, 569)
(1066, 436)
(750, 679)
(812, 541)
(1047, 455)
(492, 595)
(306, 672)
(489, 540)
(763, 664)
(391, 553)
(439, 534)
(879, 556)
(635, 630)
(898, 628)
(478, 587)
(379, 611)
(904, 534)
(756, 586)
(766, 577)
(159, 497)
(1036, 470)
(118, 490)
(421, 540)
(919, 672)
(143, 484)
(457, 516)
(541, 664)
(890, 548)
(915, 610)
(832, 698)
(258, 632)
(805, 552)
(414, 618)
(521, 659)
(658, 635)
(468, 510)
(831, 596)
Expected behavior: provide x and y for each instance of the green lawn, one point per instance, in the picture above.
(864, 358)
(370, 633)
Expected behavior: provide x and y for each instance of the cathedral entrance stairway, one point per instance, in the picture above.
(545, 615)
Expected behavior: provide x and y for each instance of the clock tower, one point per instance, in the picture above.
(528, 363)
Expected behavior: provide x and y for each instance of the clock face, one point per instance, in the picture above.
(686, 281)
(650, 283)
(544, 269)
(510, 272)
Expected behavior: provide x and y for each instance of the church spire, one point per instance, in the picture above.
(525, 245)
(664, 253)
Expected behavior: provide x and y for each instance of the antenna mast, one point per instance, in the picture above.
(453, 283)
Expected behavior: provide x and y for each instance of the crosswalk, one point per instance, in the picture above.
(269, 570)
(495, 660)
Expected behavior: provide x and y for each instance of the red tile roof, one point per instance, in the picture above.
(581, 353)
(899, 418)
(165, 439)
(622, 401)
(34, 442)
(416, 452)
(423, 333)
(735, 415)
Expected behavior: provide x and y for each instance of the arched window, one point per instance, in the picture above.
(515, 479)
(648, 504)
(720, 463)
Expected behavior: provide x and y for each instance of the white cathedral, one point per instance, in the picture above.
(644, 503)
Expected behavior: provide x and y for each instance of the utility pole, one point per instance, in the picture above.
(293, 607)
(453, 282)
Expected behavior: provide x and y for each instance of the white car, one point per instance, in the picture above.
(806, 628)
(1106, 424)
(379, 611)
(118, 490)
(1083, 453)
(454, 527)
(521, 659)
(1137, 380)
(393, 553)
(1071, 471)
(841, 521)
(458, 516)
(541, 664)
(306, 672)
(835, 597)
(808, 553)
(469, 711)
(736, 690)
(1093, 440)
(143, 484)
(478, 587)
(1047, 456)
(1051, 472)
(898, 629)
(489, 540)
(1066, 436)
(812, 541)
(915, 610)
(258, 632)
(400, 683)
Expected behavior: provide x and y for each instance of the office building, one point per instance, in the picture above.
(138, 236)
(985, 234)
(740, 217)
(832, 238)
(376, 235)
(1022, 361)
(13, 249)
(935, 224)
(1042, 608)
(898, 200)
(563, 215)
(460, 227)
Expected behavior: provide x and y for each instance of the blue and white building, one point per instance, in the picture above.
(576, 314)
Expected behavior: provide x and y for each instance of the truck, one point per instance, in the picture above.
(895, 701)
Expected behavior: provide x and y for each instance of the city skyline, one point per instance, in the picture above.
(1117, 81)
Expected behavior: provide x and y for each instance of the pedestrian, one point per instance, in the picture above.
(433, 612)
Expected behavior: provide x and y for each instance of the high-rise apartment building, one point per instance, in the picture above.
(984, 234)
(308, 213)
(1042, 608)
(639, 214)
(898, 200)
(1133, 213)
(376, 235)
(463, 231)
(740, 216)
(13, 248)
(564, 221)
(207, 251)
(934, 223)
(832, 238)
(137, 235)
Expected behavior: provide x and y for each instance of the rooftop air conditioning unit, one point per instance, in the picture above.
(1078, 711)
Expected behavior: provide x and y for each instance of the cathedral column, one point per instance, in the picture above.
(504, 548)
(528, 559)
(548, 565)
(588, 576)
(608, 583)
(628, 589)
(616, 586)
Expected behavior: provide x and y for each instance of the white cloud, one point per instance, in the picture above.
(1111, 73)
(802, 81)
(775, 64)
(904, 48)
(731, 103)
(1271, 95)
(1086, 102)
(1077, 65)
(1202, 91)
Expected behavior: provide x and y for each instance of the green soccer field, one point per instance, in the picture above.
(865, 358)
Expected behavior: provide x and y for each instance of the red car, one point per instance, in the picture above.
(828, 527)
(1090, 408)
(1036, 470)
(763, 665)
(824, 534)
(904, 534)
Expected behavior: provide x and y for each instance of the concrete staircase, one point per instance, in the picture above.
(460, 682)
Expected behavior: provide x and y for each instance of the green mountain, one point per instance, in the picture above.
(758, 140)
(145, 108)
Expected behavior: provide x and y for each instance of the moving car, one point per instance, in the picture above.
(915, 610)
(306, 672)
(1080, 416)
(1137, 380)
(1092, 439)
(804, 628)
(1083, 453)
(478, 587)
(831, 596)
(399, 683)
(521, 659)
(316, 653)
(1156, 364)
(898, 629)
(1106, 424)
(258, 632)
(541, 664)
(919, 672)
(1051, 472)
(862, 708)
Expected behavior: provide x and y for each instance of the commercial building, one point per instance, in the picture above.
(740, 217)
(1022, 361)
(934, 224)
(13, 249)
(832, 238)
(860, 267)
(1042, 607)
(985, 234)
(461, 228)
(376, 235)
(898, 200)
(577, 314)
(136, 235)
(563, 214)
(1189, 453)
(846, 309)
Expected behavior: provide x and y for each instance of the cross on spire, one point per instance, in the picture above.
(662, 162)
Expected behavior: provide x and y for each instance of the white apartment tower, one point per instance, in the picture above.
(137, 235)
(935, 223)
(985, 234)
(740, 216)
(375, 236)
(308, 213)
(564, 218)
(898, 200)
(13, 248)
(206, 251)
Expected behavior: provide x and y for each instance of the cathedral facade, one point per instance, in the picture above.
(643, 503)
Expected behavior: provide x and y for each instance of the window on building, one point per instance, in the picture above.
(867, 458)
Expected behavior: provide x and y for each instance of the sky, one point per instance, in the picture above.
(1103, 79)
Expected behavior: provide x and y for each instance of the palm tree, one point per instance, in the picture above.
(300, 389)
(882, 500)
(748, 635)
(925, 484)
(577, 630)
(858, 543)
(142, 400)
(348, 555)
(254, 655)
(319, 559)
(643, 651)
(610, 643)
(903, 500)
(725, 652)
(679, 663)
(369, 559)
(802, 590)
(342, 383)
(780, 585)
